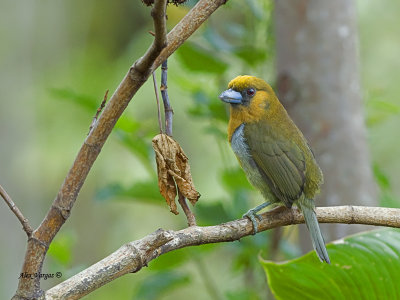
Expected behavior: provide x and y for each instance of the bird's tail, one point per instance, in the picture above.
(307, 207)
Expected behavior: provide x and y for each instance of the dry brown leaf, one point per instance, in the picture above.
(173, 171)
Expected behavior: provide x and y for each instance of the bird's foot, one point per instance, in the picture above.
(252, 215)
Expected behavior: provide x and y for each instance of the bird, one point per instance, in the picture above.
(273, 153)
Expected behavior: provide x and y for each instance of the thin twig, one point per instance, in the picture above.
(164, 93)
(24, 221)
(158, 102)
(158, 13)
(186, 27)
(168, 112)
(61, 207)
(133, 256)
(103, 103)
(191, 219)
(130, 84)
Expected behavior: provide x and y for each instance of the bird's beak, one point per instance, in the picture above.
(231, 96)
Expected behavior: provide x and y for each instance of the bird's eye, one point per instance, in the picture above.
(251, 92)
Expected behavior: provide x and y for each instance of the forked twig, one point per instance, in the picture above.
(137, 75)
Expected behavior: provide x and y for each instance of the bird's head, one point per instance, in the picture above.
(243, 89)
(251, 99)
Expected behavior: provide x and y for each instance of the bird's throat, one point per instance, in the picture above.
(240, 114)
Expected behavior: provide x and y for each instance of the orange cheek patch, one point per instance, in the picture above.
(254, 112)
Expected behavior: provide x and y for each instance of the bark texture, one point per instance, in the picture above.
(318, 83)
(40, 239)
(132, 257)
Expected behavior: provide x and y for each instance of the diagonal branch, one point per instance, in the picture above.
(60, 210)
(24, 221)
(135, 255)
(186, 27)
(98, 111)
(158, 13)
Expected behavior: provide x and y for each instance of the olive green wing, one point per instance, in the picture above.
(281, 163)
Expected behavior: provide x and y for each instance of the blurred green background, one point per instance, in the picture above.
(57, 59)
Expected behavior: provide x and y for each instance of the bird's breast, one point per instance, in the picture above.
(249, 166)
(239, 145)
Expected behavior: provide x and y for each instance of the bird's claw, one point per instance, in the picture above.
(252, 215)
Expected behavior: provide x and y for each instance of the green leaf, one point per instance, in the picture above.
(235, 179)
(216, 40)
(170, 260)
(378, 109)
(243, 294)
(218, 110)
(217, 132)
(61, 247)
(364, 266)
(200, 60)
(382, 105)
(381, 178)
(251, 56)
(128, 124)
(146, 191)
(138, 145)
(156, 286)
(256, 9)
(200, 97)
(88, 102)
(211, 213)
(208, 107)
(388, 200)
